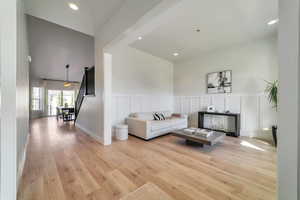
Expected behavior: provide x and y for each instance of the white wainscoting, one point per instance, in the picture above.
(256, 112)
(123, 105)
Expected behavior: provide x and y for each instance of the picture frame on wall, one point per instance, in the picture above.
(219, 82)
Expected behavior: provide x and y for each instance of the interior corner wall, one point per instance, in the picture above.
(252, 64)
(140, 83)
(8, 62)
(22, 87)
(14, 95)
(36, 114)
(91, 116)
(289, 98)
(51, 47)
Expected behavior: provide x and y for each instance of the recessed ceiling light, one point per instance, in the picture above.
(73, 6)
(140, 38)
(175, 54)
(272, 22)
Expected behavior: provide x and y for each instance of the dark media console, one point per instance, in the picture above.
(237, 120)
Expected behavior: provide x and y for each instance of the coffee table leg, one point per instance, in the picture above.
(190, 142)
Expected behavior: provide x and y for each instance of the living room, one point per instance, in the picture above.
(165, 64)
(189, 64)
(156, 71)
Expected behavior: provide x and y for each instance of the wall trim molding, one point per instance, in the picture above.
(125, 104)
(23, 161)
(256, 112)
(90, 133)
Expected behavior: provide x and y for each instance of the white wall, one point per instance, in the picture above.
(136, 72)
(14, 95)
(140, 83)
(22, 87)
(251, 65)
(289, 98)
(52, 47)
(91, 116)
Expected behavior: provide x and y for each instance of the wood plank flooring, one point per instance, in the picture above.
(65, 164)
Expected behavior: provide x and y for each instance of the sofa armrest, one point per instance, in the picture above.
(138, 127)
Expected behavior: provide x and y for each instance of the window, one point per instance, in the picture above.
(36, 99)
(54, 101)
(68, 98)
(60, 98)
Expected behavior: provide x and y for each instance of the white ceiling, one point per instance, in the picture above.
(221, 24)
(92, 14)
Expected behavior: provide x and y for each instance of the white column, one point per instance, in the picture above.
(107, 65)
(288, 133)
(8, 64)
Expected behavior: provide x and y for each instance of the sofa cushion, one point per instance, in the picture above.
(166, 113)
(149, 115)
(159, 116)
(143, 115)
(168, 123)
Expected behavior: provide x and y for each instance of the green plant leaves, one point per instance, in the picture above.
(272, 92)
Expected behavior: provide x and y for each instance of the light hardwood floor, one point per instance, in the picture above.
(65, 164)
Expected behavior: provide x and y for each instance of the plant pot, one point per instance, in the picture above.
(274, 133)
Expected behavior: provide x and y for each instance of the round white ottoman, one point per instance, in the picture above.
(121, 132)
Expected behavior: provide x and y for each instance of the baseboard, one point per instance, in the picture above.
(22, 163)
(90, 133)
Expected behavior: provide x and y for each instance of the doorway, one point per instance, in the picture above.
(59, 98)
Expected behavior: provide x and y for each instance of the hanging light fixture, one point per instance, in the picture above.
(67, 82)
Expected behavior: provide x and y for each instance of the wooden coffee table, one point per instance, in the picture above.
(193, 139)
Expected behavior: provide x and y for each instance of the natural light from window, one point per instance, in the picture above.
(36, 99)
(247, 144)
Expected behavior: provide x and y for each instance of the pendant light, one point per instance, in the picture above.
(67, 82)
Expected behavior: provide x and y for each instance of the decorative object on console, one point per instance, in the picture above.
(211, 109)
(219, 82)
(198, 132)
(272, 92)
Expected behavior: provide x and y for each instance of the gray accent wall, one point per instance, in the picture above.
(51, 47)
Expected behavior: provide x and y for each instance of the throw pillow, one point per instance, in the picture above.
(159, 116)
(162, 117)
(156, 116)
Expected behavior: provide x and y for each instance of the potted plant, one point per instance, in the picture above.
(272, 91)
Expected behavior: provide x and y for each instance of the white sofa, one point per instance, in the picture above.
(144, 126)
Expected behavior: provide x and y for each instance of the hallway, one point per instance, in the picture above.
(65, 164)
